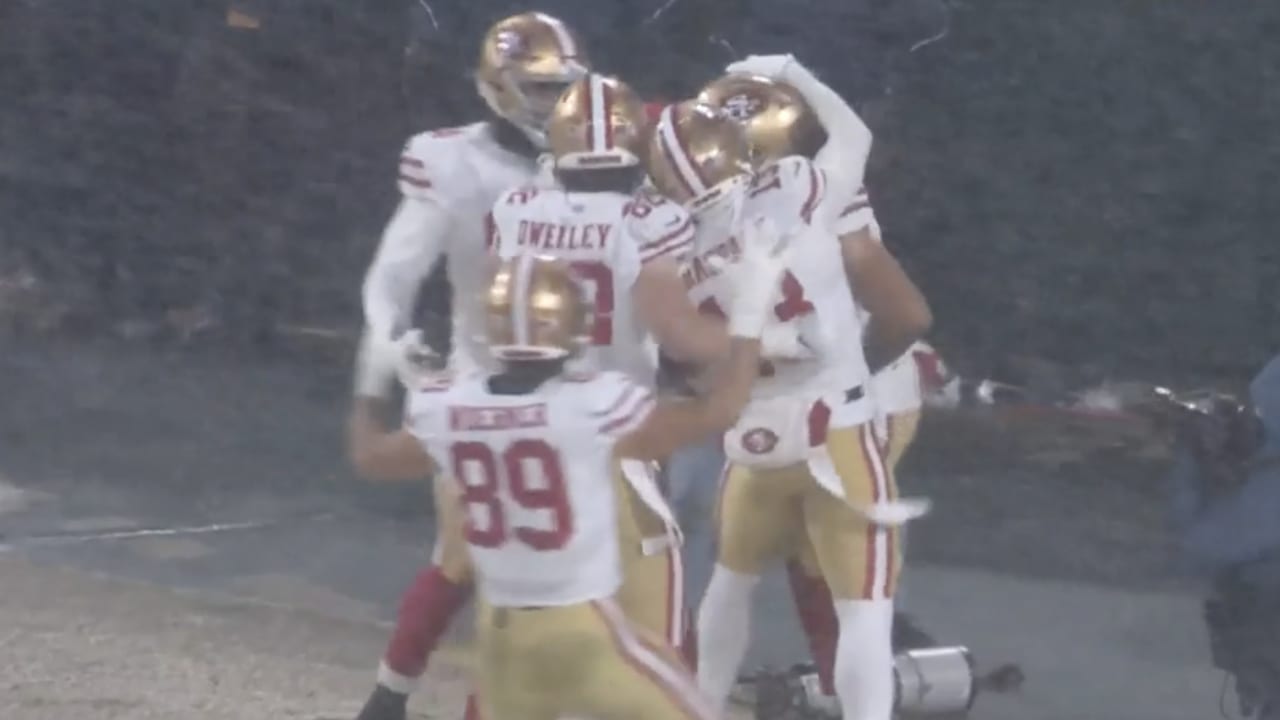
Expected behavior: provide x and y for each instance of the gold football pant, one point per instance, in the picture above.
(900, 432)
(586, 660)
(767, 515)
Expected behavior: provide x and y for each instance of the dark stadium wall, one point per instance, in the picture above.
(1084, 182)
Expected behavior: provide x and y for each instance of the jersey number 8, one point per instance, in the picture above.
(482, 473)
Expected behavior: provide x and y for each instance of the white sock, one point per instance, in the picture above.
(724, 632)
(394, 681)
(864, 659)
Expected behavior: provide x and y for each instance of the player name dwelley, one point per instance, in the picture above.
(555, 236)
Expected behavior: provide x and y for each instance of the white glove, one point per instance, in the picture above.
(756, 277)
(781, 341)
(770, 66)
(375, 370)
(414, 358)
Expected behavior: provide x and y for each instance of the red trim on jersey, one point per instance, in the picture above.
(411, 161)
(416, 182)
(618, 402)
(860, 201)
(637, 411)
(653, 111)
(664, 245)
(811, 203)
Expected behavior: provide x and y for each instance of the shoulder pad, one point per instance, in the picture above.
(433, 162)
(660, 227)
(789, 191)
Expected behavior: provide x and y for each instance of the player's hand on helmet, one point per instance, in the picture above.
(375, 371)
(770, 66)
(756, 276)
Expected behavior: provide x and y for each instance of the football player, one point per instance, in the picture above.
(448, 181)
(529, 450)
(804, 457)
(626, 246)
(781, 121)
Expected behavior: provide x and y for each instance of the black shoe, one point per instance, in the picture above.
(383, 704)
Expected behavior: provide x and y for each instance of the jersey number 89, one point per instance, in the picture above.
(533, 476)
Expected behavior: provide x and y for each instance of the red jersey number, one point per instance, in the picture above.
(599, 280)
(482, 474)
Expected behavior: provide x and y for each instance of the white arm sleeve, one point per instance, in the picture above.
(411, 244)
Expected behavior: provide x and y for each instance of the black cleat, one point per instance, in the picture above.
(384, 704)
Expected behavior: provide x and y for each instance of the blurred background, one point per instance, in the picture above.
(190, 191)
(1086, 183)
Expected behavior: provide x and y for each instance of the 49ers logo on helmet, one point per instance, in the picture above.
(510, 44)
(759, 441)
(742, 107)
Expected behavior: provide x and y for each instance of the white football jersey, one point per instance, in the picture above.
(606, 238)
(463, 170)
(814, 294)
(535, 473)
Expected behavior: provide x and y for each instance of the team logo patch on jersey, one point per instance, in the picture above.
(742, 107)
(759, 441)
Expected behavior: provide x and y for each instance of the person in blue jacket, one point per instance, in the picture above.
(1226, 512)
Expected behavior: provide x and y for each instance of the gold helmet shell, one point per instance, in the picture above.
(696, 154)
(526, 61)
(535, 310)
(599, 122)
(777, 119)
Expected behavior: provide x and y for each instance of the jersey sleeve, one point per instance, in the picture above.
(425, 415)
(431, 164)
(855, 214)
(789, 191)
(661, 228)
(618, 406)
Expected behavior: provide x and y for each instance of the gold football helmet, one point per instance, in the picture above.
(697, 155)
(526, 61)
(536, 310)
(599, 122)
(777, 119)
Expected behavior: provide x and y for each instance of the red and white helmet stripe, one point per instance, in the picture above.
(599, 101)
(673, 148)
